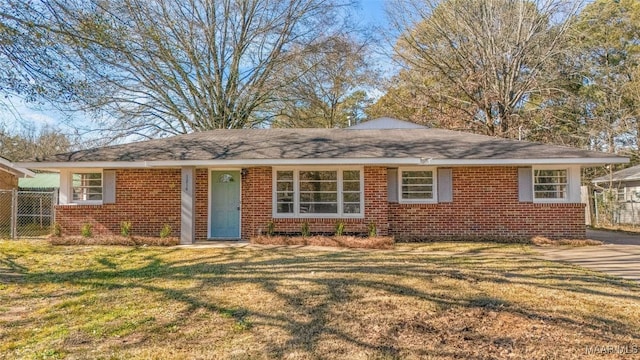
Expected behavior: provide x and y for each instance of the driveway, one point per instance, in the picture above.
(620, 256)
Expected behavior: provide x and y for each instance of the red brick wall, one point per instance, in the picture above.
(202, 204)
(485, 204)
(257, 206)
(149, 198)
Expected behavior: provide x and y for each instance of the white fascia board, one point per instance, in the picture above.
(324, 161)
(84, 165)
(528, 162)
(16, 170)
(207, 163)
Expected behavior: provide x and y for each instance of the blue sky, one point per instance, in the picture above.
(17, 114)
(373, 11)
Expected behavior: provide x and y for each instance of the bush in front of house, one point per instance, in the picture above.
(86, 230)
(115, 240)
(165, 232)
(125, 228)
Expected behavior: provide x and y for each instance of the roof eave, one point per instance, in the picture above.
(585, 162)
(16, 170)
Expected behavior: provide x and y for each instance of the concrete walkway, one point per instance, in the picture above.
(620, 256)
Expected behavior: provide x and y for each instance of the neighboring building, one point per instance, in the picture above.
(624, 201)
(40, 182)
(626, 183)
(9, 174)
(409, 182)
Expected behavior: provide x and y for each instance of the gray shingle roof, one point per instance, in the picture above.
(244, 144)
(628, 174)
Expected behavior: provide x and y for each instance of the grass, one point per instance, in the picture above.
(437, 300)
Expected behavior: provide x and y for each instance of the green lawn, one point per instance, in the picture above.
(469, 301)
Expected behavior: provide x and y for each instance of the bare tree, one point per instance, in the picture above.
(152, 67)
(30, 144)
(486, 59)
(328, 87)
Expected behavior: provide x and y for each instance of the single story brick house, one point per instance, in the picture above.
(408, 180)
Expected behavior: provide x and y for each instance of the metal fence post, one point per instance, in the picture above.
(14, 214)
(595, 200)
(54, 202)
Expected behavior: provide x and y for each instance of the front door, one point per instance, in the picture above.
(225, 204)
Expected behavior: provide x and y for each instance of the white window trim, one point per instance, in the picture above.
(70, 186)
(567, 193)
(296, 193)
(433, 170)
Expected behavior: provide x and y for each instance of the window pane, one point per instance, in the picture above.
(550, 184)
(284, 208)
(284, 186)
(351, 186)
(318, 197)
(314, 208)
(284, 197)
(417, 185)
(352, 208)
(318, 186)
(318, 175)
(351, 197)
(284, 175)
(351, 175)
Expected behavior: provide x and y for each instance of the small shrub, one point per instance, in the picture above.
(166, 231)
(373, 232)
(271, 228)
(125, 228)
(305, 229)
(57, 230)
(340, 228)
(86, 230)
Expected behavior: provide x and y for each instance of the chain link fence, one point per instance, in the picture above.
(27, 213)
(614, 207)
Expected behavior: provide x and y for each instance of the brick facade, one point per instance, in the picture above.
(485, 204)
(149, 198)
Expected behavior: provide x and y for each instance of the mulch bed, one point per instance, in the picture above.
(378, 242)
(114, 240)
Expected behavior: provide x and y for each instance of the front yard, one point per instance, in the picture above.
(442, 300)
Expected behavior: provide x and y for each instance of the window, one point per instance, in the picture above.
(284, 192)
(417, 185)
(622, 194)
(549, 184)
(318, 193)
(86, 187)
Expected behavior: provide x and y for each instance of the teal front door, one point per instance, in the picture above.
(225, 205)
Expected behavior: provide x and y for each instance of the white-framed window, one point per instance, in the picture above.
(550, 184)
(318, 192)
(86, 187)
(417, 185)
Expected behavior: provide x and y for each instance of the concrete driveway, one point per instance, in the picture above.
(620, 256)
